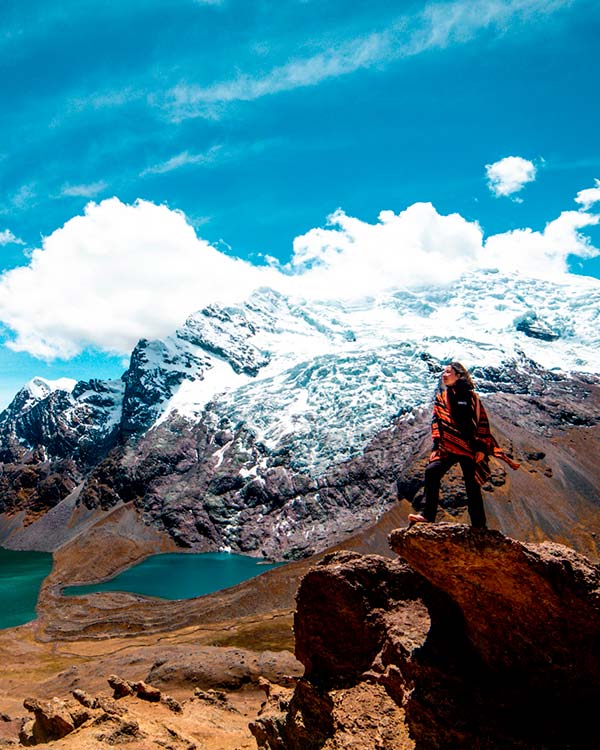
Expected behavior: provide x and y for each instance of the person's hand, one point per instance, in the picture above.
(479, 456)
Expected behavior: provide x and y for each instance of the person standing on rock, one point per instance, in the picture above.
(461, 434)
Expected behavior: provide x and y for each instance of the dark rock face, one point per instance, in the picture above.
(476, 640)
(195, 484)
(35, 484)
(48, 444)
(153, 375)
(216, 484)
(76, 425)
(535, 328)
(213, 484)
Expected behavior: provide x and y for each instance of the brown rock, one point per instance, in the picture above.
(533, 608)
(294, 720)
(216, 698)
(53, 719)
(487, 643)
(265, 685)
(172, 704)
(121, 687)
(340, 622)
(211, 667)
(108, 705)
(125, 730)
(146, 692)
(84, 698)
(26, 733)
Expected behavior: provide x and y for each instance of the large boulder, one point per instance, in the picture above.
(471, 640)
(532, 609)
(53, 719)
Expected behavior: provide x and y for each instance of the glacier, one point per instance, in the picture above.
(317, 379)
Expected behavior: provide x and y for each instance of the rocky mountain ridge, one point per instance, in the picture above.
(277, 426)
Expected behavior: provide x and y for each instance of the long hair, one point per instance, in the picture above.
(462, 374)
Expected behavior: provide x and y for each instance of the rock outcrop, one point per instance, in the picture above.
(56, 718)
(470, 639)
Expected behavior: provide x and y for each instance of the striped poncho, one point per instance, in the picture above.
(450, 439)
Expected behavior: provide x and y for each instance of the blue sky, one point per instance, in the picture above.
(253, 122)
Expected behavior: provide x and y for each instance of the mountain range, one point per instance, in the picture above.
(278, 426)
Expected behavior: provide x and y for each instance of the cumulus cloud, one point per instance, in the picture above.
(509, 175)
(8, 238)
(542, 253)
(589, 196)
(123, 272)
(114, 275)
(417, 246)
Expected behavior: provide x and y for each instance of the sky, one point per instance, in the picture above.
(158, 155)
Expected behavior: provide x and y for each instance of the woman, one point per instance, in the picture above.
(461, 434)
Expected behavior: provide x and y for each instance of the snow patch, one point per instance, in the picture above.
(41, 388)
(191, 397)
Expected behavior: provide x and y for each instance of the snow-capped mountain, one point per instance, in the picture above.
(64, 417)
(288, 367)
(252, 406)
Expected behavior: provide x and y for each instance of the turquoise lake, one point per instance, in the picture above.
(180, 576)
(21, 575)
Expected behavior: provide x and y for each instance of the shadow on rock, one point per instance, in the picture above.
(470, 640)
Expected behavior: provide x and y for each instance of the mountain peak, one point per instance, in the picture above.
(40, 387)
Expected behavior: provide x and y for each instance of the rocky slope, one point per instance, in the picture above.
(277, 427)
(208, 692)
(470, 639)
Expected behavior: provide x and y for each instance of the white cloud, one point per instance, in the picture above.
(8, 238)
(182, 160)
(589, 196)
(192, 101)
(123, 272)
(436, 26)
(84, 191)
(542, 253)
(24, 197)
(117, 274)
(420, 246)
(354, 258)
(509, 175)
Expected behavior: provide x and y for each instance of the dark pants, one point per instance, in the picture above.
(433, 475)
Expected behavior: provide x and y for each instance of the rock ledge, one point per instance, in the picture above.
(471, 639)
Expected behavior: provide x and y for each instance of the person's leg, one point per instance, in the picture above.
(433, 475)
(474, 496)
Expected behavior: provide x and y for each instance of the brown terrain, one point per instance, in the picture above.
(467, 639)
(471, 639)
(228, 642)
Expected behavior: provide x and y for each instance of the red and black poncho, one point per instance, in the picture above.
(452, 438)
